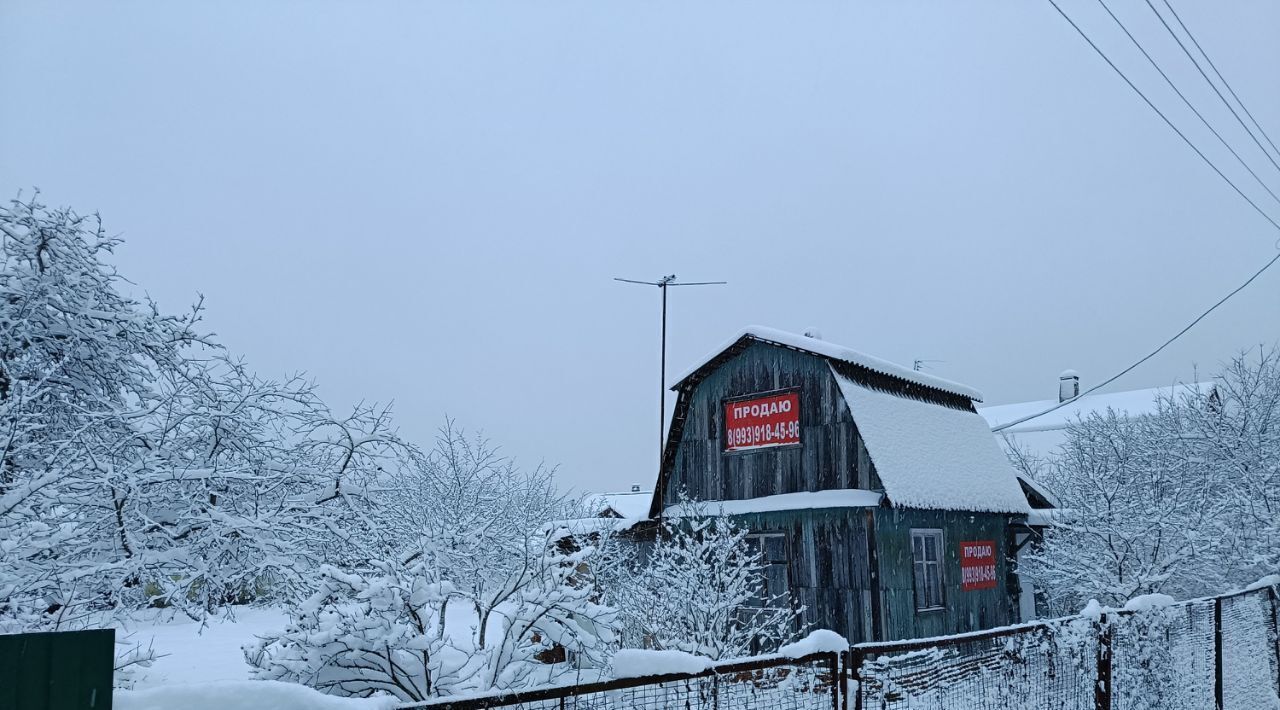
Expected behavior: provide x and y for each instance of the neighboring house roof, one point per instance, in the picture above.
(830, 351)
(628, 505)
(932, 456)
(1131, 403)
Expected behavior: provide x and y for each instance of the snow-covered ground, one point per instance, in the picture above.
(202, 667)
(195, 653)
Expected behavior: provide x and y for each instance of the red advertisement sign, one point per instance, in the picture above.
(977, 565)
(773, 420)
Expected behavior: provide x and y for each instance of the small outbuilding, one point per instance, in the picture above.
(879, 497)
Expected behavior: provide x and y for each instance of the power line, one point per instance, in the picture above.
(1160, 113)
(1271, 262)
(1211, 84)
(1149, 355)
(1186, 101)
(1221, 78)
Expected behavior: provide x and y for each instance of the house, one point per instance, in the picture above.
(1043, 435)
(879, 497)
(629, 505)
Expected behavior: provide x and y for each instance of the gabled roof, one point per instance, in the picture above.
(831, 351)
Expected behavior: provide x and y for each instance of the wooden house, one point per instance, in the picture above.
(878, 496)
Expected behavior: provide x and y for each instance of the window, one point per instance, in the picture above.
(926, 552)
(773, 552)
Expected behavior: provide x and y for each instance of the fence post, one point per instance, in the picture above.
(837, 680)
(1102, 689)
(1275, 627)
(1217, 652)
(855, 672)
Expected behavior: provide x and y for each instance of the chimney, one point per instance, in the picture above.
(812, 332)
(635, 488)
(1068, 385)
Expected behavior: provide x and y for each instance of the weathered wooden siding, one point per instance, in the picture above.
(965, 611)
(827, 565)
(830, 454)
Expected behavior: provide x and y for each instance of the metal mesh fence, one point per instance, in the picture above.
(801, 684)
(1163, 658)
(1249, 651)
(1208, 653)
(1048, 665)
(1197, 655)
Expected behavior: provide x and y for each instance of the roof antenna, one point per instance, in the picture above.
(918, 365)
(662, 284)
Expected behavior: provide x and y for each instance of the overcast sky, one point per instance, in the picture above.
(426, 202)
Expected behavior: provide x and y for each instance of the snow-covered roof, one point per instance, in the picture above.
(1040, 488)
(932, 456)
(1130, 403)
(834, 352)
(806, 500)
(629, 504)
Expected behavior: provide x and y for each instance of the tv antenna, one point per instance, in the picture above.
(919, 365)
(662, 285)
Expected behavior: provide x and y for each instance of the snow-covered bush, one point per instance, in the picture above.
(700, 589)
(1183, 501)
(483, 598)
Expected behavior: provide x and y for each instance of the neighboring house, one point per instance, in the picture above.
(1042, 437)
(631, 505)
(882, 502)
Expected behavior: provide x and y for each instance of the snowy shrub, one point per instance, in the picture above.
(700, 589)
(1183, 501)
(484, 598)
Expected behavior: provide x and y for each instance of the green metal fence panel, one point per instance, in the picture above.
(64, 670)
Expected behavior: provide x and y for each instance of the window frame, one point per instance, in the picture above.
(757, 540)
(923, 564)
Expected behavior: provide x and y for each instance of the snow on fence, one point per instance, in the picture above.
(1222, 652)
(1156, 654)
(805, 683)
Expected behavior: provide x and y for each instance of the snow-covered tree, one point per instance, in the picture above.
(142, 465)
(483, 597)
(699, 589)
(1183, 501)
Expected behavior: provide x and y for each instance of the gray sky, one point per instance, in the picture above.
(426, 201)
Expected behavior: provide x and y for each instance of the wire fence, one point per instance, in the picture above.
(1221, 653)
(808, 683)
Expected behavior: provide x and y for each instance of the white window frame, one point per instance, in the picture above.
(920, 569)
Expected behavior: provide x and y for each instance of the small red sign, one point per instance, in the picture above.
(756, 423)
(977, 565)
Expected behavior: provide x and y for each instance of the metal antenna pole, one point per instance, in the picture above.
(662, 375)
(662, 284)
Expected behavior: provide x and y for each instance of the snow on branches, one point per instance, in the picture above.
(1183, 501)
(140, 464)
(701, 589)
(484, 596)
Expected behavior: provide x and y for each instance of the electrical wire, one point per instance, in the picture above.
(1160, 113)
(1221, 78)
(1211, 84)
(1149, 355)
(1271, 262)
(1185, 100)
